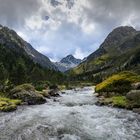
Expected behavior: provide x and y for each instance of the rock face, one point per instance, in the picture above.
(27, 94)
(10, 38)
(67, 63)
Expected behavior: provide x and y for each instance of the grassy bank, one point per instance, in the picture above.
(120, 90)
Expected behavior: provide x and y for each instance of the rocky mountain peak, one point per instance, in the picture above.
(70, 59)
(67, 63)
(118, 36)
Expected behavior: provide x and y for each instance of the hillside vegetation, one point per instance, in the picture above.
(120, 90)
(118, 83)
(119, 52)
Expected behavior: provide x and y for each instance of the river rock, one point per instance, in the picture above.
(54, 93)
(134, 97)
(99, 103)
(136, 86)
(27, 93)
(45, 93)
(136, 110)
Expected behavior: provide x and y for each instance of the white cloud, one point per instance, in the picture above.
(73, 27)
(80, 54)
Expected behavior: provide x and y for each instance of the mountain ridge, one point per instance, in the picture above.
(10, 38)
(67, 63)
(116, 53)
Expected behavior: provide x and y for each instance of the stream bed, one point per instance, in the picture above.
(73, 116)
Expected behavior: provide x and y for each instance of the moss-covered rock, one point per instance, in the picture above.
(7, 105)
(45, 93)
(27, 87)
(119, 101)
(116, 101)
(120, 83)
(27, 93)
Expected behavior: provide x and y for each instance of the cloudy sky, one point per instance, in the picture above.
(57, 28)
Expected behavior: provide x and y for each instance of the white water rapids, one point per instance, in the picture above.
(73, 116)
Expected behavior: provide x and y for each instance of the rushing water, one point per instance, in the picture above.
(73, 116)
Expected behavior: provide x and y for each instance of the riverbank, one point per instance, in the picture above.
(72, 116)
(120, 90)
(25, 94)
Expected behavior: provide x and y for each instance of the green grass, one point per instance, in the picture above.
(77, 70)
(100, 60)
(87, 66)
(117, 101)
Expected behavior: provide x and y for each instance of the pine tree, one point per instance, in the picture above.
(3, 76)
(37, 74)
(19, 75)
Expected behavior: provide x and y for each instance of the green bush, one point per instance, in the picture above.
(39, 86)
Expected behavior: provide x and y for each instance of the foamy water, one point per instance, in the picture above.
(73, 116)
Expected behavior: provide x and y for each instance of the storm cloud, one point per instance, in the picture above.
(60, 27)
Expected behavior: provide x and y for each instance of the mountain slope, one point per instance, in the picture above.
(67, 63)
(17, 66)
(9, 38)
(118, 52)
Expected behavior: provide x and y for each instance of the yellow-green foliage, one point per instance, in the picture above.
(118, 101)
(118, 82)
(88, 65)
(7, 104)
(44, 93)
(77, 70)
(99, 60)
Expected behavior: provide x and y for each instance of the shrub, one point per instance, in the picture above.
(40, 86)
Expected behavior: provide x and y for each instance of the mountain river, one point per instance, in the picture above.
(73, 116)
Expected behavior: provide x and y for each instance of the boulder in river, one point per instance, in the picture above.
(27, 93)
(136, 110)
(134, 97)
(54, 93)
